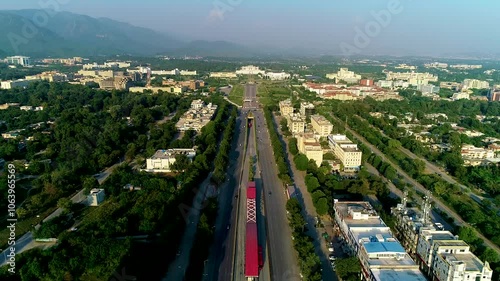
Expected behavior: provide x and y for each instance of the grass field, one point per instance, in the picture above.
(236, 94)
(270, 93)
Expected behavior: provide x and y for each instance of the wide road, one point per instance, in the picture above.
(440, 205)
(283, 258)
(219, 265)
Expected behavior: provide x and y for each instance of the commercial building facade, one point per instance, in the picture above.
(347, 151)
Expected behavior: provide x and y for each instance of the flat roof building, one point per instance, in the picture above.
(347, 151)
(307, 109)
(286, 107)
(310, 147)
(162, 160)
(296, 123)
(321, 125)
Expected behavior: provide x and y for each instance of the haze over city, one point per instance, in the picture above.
(464, 27)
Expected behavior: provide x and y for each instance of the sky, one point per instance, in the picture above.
(403, 27)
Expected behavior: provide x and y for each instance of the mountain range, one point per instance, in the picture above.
(68, 34)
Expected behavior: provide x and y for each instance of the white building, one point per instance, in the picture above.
(306, 109)
(276, 75)
(162, 160)
(367, 236)
(321, 125)
(250, 70)
(466, 66)
(411, 77)
(475, 84)
(19, 60)
(197, 104)
(347, 151)
(384, 83)
(196, 117)
(460, 96)
(472, 152)
(295, 122)
(436, 65)
(223, 75)
(286, 107)
(95, 197)
(26, 108)
(429, 88)
(310, 147)
(20, 83)
(345, 75)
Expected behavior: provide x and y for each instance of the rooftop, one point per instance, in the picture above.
(398, 275)
(451, 243)
(368, 217)
(472, 263)
(377, 247)
(169, 153)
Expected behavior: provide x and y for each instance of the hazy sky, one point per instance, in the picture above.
(415, 27)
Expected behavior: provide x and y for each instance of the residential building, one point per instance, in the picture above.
(155, 90)
(188, 72)
(310, 147)
(67, 61)
(345, 75)
(466, 66)
(429, 88)
(405, 66)
(347, 152)
(162, 160)
(384, 83)
(366, 82)
(51, 76)
(296, 123)
(191, 84)
(20, 83)
(455, 86)
(443, 257)
(276, 75)
(367, 237)
(412, 77)
(307, 109)
(95, 197)
(472, 152)
(249, 70)
(18, 60)
(197, 117)
(12, 134)
(321, 125)
(475, 84)
(286, 107)
(223, 75)
(115, 83)
(494, 94)
(460, 96)
(436, 65)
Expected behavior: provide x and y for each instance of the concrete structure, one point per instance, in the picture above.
(296, 123)
(429, 88)
(445, 258)
(345, 75)
(18, 60)
(191, 84)
(51, 76)
(475, 84)
(474, 156)
(67, 61)
(197, 117)
(460, 96)
(223, 75)
(308, 145)
(20, 83)
(455, 86)
(277, 75)
(321, 125)
(436, 65)
(162, 160)
(413, 78)
(347, 152)
(367, 236)
(307, 109)
(249, 70)
(170, 89)
(494, 95)
(95, 197)
(366, 82)
(115, 83)
(286, 107)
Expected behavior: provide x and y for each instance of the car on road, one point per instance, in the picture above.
(331, 249)
(73, 229)
(331, 257)
(270, 192)
(228, 226)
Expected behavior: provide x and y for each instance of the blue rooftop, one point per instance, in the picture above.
(375, 247)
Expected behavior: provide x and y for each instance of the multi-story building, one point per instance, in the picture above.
(191, 84)
(162, 160)
(223, 75)
(436, 65)
(95, 197)
(321, 125)
(347, 151)
(494, 95)
(169, 89)
(250, 70)
(345, 75)
(366, 82)
(276, 75)
(307, 109)
(429, 88)
(197, 117)
(445, 258)
(310, 147)
(455, 86)
(50, 76)
(412, 77)
(384, 83)
(296, 123)
(20, 83)
(286, 107)
(469, 152)
(466, 66)
(475, 84)
(460, 96)
(367, 236)
(18, 60)
(115, 83)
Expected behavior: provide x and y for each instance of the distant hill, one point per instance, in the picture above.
(72, 34)
(69, 34)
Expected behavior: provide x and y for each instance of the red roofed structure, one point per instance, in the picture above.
(251, 239)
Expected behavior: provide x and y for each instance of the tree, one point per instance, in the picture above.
(182, 163)
(301, 162)
(394, 144)
(348, 267)
(65, 204)
(292, 145)
(322, 206)
(312, 183)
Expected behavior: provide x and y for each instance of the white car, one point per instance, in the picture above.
(330, 249)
